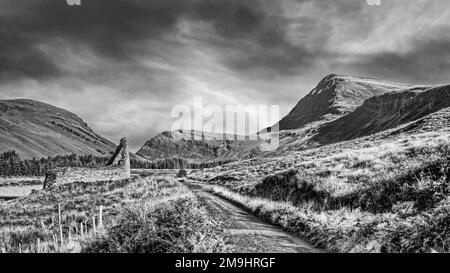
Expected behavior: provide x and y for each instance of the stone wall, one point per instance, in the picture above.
(118, 168)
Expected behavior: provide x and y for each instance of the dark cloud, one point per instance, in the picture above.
(110, 28)
(253, 29)
(105, 26)
(114, 29)
(424, 63)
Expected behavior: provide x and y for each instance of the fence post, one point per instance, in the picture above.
(59, 222)
(59, 213)
(93, 224)
(100, 219)
(61, 234)
(55, 242)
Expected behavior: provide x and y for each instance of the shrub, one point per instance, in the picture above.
(182, 173)
(175, 226)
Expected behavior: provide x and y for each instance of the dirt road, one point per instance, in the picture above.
(245, 232)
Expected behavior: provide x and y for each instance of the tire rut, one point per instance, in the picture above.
(245, 232)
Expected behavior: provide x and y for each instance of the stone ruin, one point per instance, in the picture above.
(118, 168)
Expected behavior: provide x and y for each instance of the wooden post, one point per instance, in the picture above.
(38, 246)
(59, 223)
(59, 213)
(55, 242)
(93, 224)
(61, 234)
(100, 217)
(81, 229)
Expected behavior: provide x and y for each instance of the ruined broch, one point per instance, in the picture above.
(118, 168)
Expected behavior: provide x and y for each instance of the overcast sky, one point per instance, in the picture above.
(121, 65)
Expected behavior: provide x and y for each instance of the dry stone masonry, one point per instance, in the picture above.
(117, 168)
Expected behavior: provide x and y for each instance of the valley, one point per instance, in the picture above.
(363, 165)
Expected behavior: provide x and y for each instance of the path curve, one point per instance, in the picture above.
(245, 232)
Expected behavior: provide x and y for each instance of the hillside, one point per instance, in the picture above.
(197, 146)
(384, 192)
(385, 112)
(335, 96)
(36, 129)
(340, 108)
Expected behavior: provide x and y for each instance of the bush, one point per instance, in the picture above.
(175, 226)
(182, 173)
(21, 239)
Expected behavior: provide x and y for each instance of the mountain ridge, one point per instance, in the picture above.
(386, 111)
(197, 145)
(36, 129)
(339, 108)
(334, 96)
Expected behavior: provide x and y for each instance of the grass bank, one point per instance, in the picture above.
(390, 196)
(346, 230)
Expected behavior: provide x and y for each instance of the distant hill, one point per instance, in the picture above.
(334, 96)
(35, 129)
(339, 108)
(197, 146)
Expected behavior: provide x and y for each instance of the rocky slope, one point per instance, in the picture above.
(384, 112)
(413, 145)
(340, 108)
(335, 96)
(36, 129)
(197, 146)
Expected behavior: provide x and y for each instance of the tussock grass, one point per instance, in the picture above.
(346, 230)
(134, 215)
(178, 225)
(383, 193)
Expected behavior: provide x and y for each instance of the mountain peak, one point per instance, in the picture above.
(334, 96)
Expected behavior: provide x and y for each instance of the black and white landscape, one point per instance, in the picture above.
(358, 159)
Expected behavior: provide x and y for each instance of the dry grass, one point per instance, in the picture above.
(345, 230)
(176, 225)
(21, 181)
(379, 193)
(30, 224)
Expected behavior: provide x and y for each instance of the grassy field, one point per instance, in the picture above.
(388, 192)
(20, 181)
(142, 214)
(384, 193)
(13, 187)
